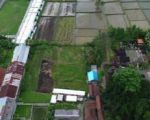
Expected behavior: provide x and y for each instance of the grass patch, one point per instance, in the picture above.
(68, 70)
(5, 57)
(11, 15)
(22, 111)
(6, 52)
(64, 30)
(30, 81)
(39, 113)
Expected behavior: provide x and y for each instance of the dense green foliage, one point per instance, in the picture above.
(6, 52)
(126, 36)
(95, 52)
(127, 96)
(127, 79)
(23, 111)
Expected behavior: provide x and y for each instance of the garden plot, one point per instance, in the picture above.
(83, 40)
(112, 8)
(45, 83)
(135, 15)
(63, 32)
(130, 5)
(147, 14)
(51, 9)
(39, 113)
(144, 5)
(142, 24)
(60, 9)
(67, 9)
(85, 32)
(86, 7)
(127, 0)
(90, 20)
(118, 21)
(82, 36)
(109, 0)
(45, 28)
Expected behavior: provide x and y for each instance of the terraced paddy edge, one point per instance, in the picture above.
(68, 71)
(11, 16)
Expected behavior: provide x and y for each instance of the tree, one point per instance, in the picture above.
(147, 38)
(128, 79)
(121, 95)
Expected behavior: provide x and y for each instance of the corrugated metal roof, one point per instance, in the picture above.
(53, 99)
(21, 53)
(67, 113)
(70, 98)
(92, 75)
(68, 92)
(28, 22)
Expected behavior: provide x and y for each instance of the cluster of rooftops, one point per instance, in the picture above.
(28, 25)
(11, 80)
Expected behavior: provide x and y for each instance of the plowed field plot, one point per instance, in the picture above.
(90, 110)
(59, 9)
(45, 84)
(45, 28)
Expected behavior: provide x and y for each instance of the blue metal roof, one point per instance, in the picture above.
(92, 75)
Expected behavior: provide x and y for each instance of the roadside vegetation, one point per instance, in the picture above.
(6, 51)
(11, 16)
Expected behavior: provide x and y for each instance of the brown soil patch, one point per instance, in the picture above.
(90, 110)
(45, 83)
(45, 28)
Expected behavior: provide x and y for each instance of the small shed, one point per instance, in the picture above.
(70, 98)
(72, 114)
(53, 99)
(92, 75)
(60, 97)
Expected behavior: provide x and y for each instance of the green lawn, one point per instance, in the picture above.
(30, 81)
(22, 111)
(68, 70)
(11, 15)
(39, 113)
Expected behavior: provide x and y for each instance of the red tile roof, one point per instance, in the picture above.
(9, 91)
(2, 74)
(16, 67)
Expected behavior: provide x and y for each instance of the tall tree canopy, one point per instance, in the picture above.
(127, 79)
